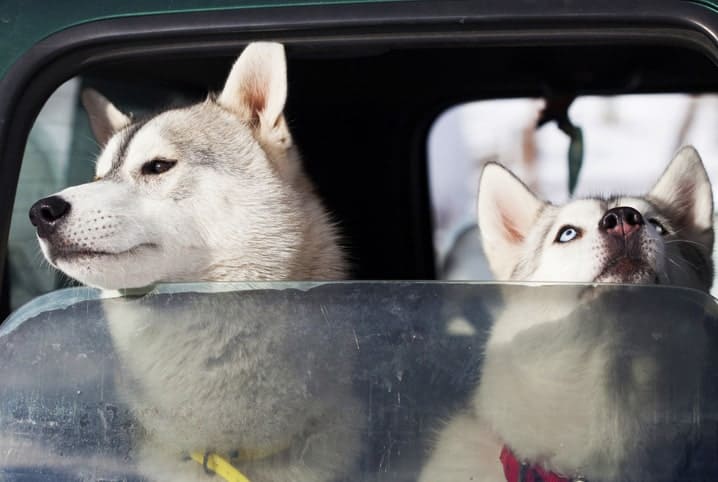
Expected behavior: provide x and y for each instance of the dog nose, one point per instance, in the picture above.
(621, 221)
(45, 214)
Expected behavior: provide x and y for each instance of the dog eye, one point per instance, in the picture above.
(659, 227)
(157, 166)
(567, 233)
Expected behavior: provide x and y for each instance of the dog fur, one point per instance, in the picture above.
(576, 378)
(213, 192)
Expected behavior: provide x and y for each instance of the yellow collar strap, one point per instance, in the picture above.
(219, 465)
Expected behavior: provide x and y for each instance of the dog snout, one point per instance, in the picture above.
(46, 214)
(622, 222)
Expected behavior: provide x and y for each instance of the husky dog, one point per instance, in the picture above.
(566, 390)
(212, 192)
(665, 237)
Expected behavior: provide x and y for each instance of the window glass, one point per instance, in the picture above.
(356, 377)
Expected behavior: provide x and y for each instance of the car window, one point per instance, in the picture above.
(627, 143)
(374, 371)
(383, 364)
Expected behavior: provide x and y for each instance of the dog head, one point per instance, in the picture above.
(210, 192)
(665, 237)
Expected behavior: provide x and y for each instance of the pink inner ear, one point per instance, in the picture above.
(511, 234)
(254, 97)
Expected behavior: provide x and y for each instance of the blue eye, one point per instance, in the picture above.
(659, 227)
(567, 233)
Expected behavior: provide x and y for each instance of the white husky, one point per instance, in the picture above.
(213, 192)
(567, 391)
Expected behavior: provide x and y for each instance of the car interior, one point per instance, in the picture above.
(361, 116)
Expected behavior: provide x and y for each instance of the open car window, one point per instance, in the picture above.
(627, 142)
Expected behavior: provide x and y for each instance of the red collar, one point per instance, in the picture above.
(516, 471)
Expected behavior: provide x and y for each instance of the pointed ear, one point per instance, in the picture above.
(105, 118)
(507, 211)
(256, 90)
(684, 188)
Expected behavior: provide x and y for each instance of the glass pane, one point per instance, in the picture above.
(355, 381)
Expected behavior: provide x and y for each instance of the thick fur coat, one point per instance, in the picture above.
(214, 192)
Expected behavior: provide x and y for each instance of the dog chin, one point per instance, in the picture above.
(106, 277)
(108, 270)
(628, 270)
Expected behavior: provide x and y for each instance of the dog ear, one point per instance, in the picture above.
(684, 189)
(256, 90)
(507, 211)
(105, 118)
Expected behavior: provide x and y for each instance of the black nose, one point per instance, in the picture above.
(46, 213)
(621, 221)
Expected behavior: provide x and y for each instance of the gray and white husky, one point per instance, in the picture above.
(213, 192)
(565, 387)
